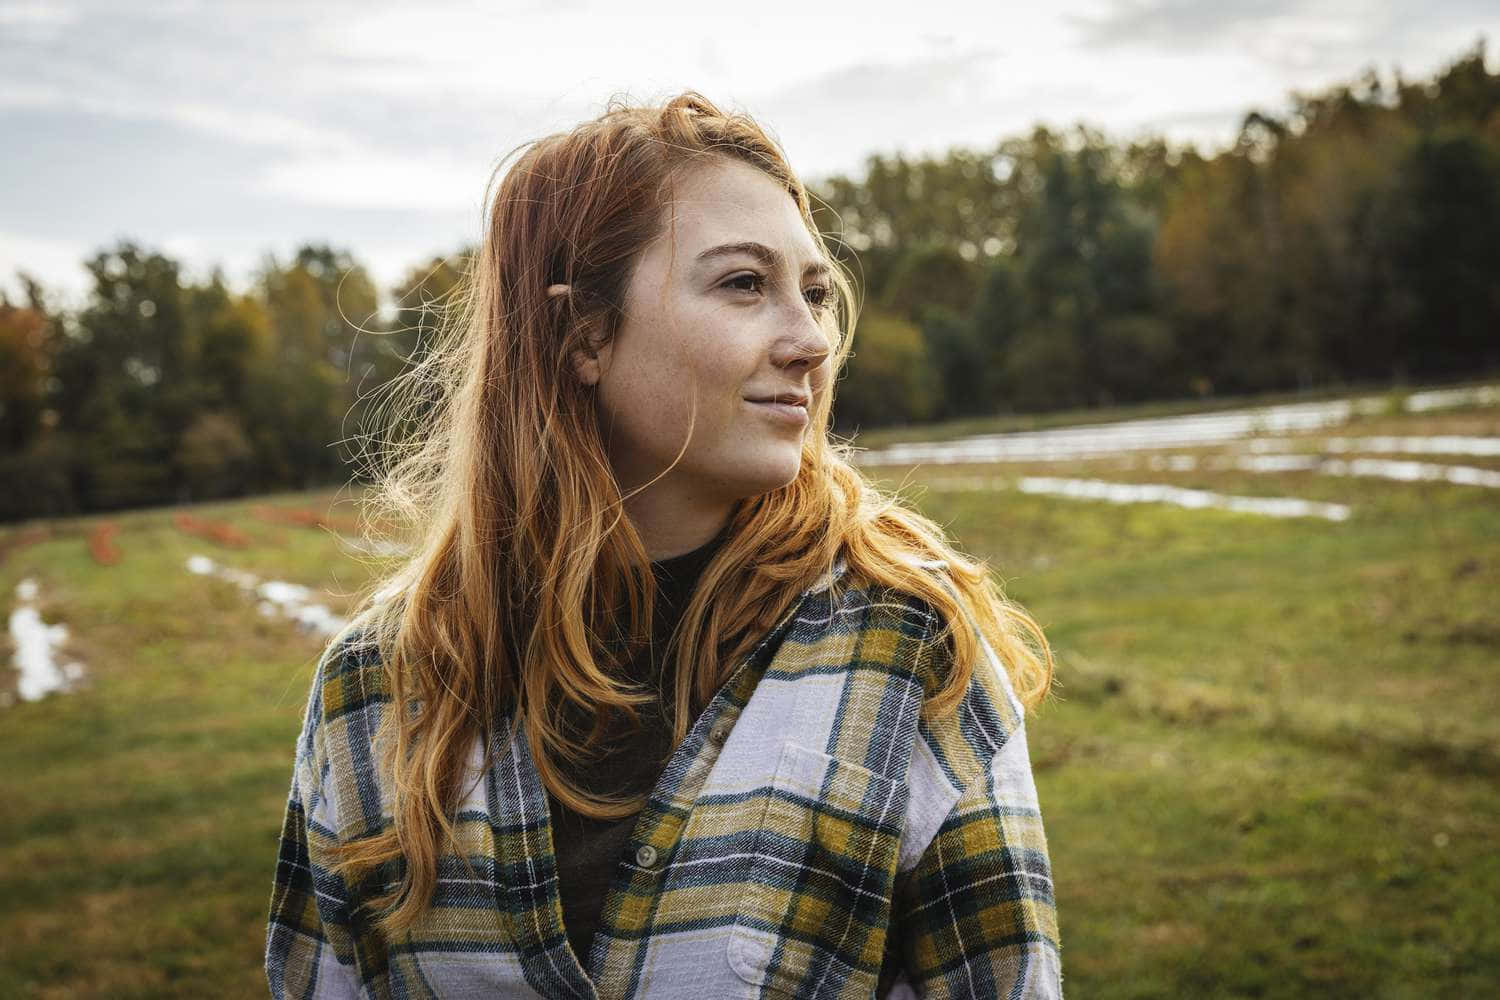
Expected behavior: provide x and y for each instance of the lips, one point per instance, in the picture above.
(789, 414)
(792, 398)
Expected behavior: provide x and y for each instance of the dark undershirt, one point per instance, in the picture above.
(588, 850)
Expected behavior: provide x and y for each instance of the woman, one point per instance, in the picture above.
(690, 709)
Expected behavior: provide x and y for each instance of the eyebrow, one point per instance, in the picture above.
(768, 256)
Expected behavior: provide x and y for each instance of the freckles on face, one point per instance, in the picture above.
(708, 325)
(672, 352)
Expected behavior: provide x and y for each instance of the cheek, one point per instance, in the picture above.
(718, 394)
(658, 401)
(716, 369)
(694, 355)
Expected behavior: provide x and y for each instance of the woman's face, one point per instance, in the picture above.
(720, 313)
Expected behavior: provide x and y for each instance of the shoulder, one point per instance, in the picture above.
(336, 762)
(350, 678)
(862, 626)
(961, 745)
(873, 626)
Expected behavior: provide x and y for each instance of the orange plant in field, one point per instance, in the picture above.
(221, 532)
(288, 515)
(102, 543)
(306, 518)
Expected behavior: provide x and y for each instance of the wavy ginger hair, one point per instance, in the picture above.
(525, 565)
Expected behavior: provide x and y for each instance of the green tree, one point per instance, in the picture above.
(962, 363)
(323, 310)
(1078, 285)
(236, 342)
(320, 303)
(1449, 240)
(430, 303)
(214, 456)
(1217, 257)
(934, 275)
(888, 379)
(127, 365)
(962, 202)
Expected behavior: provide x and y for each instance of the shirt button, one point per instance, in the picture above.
(720, 732)
(645, 855)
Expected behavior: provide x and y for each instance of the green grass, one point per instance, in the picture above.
(141, 815)
(1270, 768)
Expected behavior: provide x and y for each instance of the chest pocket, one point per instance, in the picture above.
(813, 920)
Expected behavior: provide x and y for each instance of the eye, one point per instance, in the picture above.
(748, 282)
(819, 296)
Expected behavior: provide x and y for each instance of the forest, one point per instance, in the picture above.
(1350, 238)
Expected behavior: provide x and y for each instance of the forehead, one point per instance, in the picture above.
(727, 201)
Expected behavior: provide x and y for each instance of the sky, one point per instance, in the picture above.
(220, 132)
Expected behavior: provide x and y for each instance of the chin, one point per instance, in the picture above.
(771, 476)
(786, 476)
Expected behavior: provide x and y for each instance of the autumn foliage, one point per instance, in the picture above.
(102, 543)
(307, 518)
(220, 532)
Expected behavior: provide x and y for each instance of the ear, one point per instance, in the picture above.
(590, 363)
(587, 367)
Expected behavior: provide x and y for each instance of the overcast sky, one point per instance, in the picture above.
(221, 131)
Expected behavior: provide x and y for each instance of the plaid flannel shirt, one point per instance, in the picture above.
(811, 837)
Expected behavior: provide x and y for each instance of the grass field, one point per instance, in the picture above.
(1271, 770)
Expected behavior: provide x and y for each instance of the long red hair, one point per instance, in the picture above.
(523, 558)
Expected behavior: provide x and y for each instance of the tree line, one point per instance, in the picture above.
(1350, 239)
(165, 390)
(1353, 239)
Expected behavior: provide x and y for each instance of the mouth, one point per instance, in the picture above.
(788, 408)
(786, 398)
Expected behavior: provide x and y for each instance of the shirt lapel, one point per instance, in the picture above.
(527, 886)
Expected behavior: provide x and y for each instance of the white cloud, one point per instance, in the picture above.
(57, 264)
(36, 22)
(381, 180)
(242, 125)
(351, 119)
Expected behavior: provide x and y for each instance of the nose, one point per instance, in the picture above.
(805, 347)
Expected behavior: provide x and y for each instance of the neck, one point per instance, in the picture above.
(671, 525)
